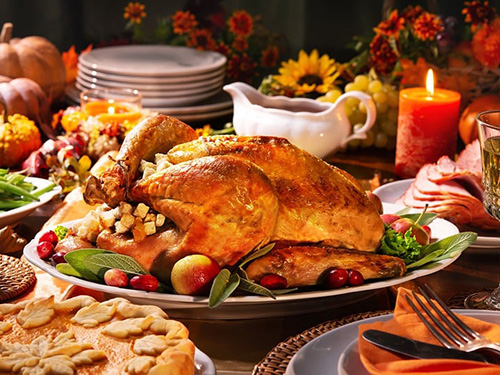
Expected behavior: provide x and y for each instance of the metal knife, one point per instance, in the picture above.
(417, 349)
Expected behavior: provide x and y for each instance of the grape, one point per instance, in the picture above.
(380, 97)
(351, 87)
(381, 108)
(391, 143)
(357, 116)
(392, 115)
(368, 141)
(380, 140)
(352, 102)
(333, 95)
(375, 86)
(362, 82)
(393, 99)
(389, 127)
(362, 107)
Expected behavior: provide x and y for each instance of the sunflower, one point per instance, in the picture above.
(135, 12)
(310, 75)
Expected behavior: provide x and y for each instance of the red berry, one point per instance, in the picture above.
(49, 236)
(336, 278)
(144, 282)
(273, 282)
(355, 278)
(427, 229)
(115, 277)
(58, 258)
(45, 249)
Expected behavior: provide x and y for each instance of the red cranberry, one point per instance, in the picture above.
(273, 282)
(148, 283)
(49, 236)
(45, 250)
(115, 277)
(336, 278)
(58, 258)
(356, 278)
(427, 229)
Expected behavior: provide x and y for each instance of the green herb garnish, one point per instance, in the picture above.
(403, 246)
(61, 232)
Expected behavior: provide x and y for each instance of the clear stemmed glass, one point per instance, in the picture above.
(489, 137)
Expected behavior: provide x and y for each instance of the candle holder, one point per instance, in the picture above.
(110, 101)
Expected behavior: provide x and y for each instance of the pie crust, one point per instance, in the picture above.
(82, 336)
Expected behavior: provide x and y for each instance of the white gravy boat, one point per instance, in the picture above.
(317, 127)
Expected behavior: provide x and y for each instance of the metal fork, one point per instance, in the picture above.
(451, 332)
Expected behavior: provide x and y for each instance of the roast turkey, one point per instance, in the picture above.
(227, 195)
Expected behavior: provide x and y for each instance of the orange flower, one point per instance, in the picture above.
(413, 74)
(223, 48)
(202, 39)
(486, 44)
(477, 13)
(427, 25)
(382, 54)
(269, 57)
(392, 26)
(135, 12)
(183, 22)
(240, 44)
(411, 13)
(240, 23)
(241, 68)
(70, 60)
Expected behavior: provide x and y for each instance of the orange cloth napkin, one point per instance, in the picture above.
(406, 323)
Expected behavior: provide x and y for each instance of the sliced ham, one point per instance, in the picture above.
(470, 158)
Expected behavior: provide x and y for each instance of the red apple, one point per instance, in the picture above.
(389, 218)
(404, 225)
(193, 274)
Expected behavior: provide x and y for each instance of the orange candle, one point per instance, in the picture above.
(111, 111)
(427, 127)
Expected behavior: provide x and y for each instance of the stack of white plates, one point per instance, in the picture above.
(179, 81)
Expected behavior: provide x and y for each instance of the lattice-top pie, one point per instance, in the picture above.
(82, 336)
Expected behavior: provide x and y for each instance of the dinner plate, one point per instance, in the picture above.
(252, 306)
(178, 79)
(203, 363)
(390, 192)
(164, 93)
(198, 84)
(328, 354)
(164, 101)
(152, 60)
(16, 214)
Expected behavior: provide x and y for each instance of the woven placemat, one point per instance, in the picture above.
(277, 359)
(16, 276)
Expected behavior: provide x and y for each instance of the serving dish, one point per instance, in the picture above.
(253, 306)
(324, 355)
(390, 192)
(16, 214)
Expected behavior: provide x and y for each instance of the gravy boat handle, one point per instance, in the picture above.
(371, 114)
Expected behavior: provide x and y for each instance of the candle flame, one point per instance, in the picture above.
(429, 83)
(111, 107)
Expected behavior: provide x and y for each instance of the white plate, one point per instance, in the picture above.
(203, 363)
(390, 192)
(199, 83)
(178, 79)
(152, 60)
(16, 214)
(251, 306)
(328, 354)
(167, 102)
(163, 93)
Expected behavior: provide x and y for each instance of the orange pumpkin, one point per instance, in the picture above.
(25, 97)
(467, 126)
(33, 57)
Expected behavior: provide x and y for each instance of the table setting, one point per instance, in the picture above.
(197, 202)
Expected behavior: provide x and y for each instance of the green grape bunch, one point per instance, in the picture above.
(386, 98)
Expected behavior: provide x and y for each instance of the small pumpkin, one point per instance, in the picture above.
(25, 97)
(467, 126)
(18, 138)
(33, 57)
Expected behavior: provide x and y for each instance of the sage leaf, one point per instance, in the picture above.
(257, 254)
(278, 292)
(67, 269)
(76, 260)
(426, 259)
(224, 284)
(100, 263)
(251, 287)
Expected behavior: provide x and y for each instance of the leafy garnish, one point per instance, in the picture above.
(61, 232)
(251, 287)
(403, 246)
(257, 254)
(224, 284)
(77, 260)
(425, 219)
(67, 269)
(100, 263)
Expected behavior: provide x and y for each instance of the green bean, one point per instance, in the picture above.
(9, 188)
(41, 191)
(7, 204)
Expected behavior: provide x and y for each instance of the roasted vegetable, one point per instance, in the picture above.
(18, 138)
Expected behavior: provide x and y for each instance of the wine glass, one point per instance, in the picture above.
(489, 137)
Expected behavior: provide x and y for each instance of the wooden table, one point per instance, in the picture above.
(236, 346)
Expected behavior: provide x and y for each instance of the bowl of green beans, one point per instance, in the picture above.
(21, 195)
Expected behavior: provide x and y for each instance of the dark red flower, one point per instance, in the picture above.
(383, 56)
(223, 48)
(269, 57)
(427, 26)
(183, 22)
(391, 26)
(240, 44)
(477, 12)
(202, 39)
(411, 13)
(241, 68)
(240, 23)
